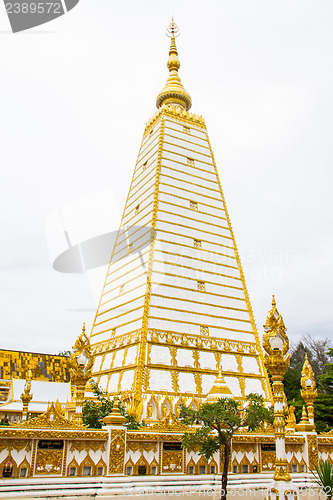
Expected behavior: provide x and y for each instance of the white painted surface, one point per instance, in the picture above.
(176, 304)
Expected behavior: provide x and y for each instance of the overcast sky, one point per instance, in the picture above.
(75, 96)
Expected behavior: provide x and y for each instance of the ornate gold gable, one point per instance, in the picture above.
(53, 418)
(170, 424)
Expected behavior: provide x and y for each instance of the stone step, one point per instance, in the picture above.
(84, 488)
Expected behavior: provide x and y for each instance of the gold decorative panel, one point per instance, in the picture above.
(117, 452)
(267, 461)
(49, 462)
(312, 451)
(172, 461)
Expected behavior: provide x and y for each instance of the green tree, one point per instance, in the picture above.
(292, 378)
(94, 410)
(323, 408)
(218, 423)
(319, 355)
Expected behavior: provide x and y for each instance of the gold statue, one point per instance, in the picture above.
(164, 411)
(291, 419)
(26, 396)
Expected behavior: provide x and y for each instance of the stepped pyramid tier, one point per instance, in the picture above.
(174, 306)
(219, 390)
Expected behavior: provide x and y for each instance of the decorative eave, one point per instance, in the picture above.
(170, 424)
(176, 112)
(323, 434)
(262, 438)
(83, 434)
(325, 439)
(166, 430)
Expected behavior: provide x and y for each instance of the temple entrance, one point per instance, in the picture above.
(142, 470)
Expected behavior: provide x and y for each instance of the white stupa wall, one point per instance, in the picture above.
(197, 289)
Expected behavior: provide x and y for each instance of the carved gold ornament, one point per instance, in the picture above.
(117, 452)
(81, 360)
(170, 424)
(49, 462)
(26, 396)
(276, 345)
(312, 451)
(172, 461)
(134, 404)
(51, 419)
(308, 389)
(81, 363)
(275, 341)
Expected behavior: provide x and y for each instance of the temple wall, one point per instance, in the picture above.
(64, 453)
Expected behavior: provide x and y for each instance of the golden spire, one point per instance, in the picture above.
(174, 92)
(115, 417)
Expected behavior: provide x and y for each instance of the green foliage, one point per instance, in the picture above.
(218, 423)
(326, 378)
(95, 410)
(324, 477)
(321, 357)
(324, 402)
(64, 353)
(225, 417)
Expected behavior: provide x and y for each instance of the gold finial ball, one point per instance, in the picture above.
(172, 29)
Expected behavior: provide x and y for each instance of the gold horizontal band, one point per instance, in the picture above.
(182, 266)
(199, 205)
(169, 125)
(196, 324)
(182, 190)
(185, 140)
(195, 290)
(183, 148)
(198, 302)
(194, 279)
(189, 183)
(213, 181)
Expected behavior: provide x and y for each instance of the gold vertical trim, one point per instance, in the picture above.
(160, 444)
(33, 457)
(268, 390)
(144, 331)
(64, 459)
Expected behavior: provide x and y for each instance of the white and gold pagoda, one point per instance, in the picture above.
(174, 325)
(174, 306)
